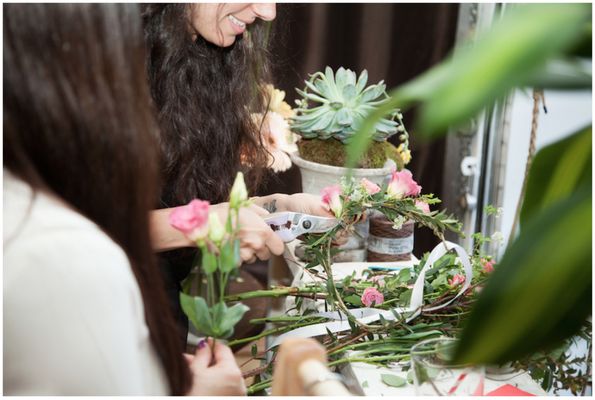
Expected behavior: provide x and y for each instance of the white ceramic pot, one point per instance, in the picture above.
(317, 176)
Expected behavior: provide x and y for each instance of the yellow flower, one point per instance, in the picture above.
(277, 104)
(405, 154)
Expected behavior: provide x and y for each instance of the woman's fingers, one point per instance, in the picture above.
(258, 210)
(202, 357)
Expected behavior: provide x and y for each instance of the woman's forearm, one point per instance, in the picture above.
(163, 236)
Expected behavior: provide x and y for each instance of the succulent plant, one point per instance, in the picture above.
(342, 105)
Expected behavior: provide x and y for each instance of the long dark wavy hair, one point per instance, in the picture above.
(205, 95)
(78, 122)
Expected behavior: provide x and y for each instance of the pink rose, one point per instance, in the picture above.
(191, 219)
(456, 280)
(402, 184)
(331, 196)
(488, 266)
(372, 296)
(370, 187)
(423, 206)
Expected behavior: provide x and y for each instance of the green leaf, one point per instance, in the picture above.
(410, 377)
(513, 53)
(198, 313)
(393, 380)
(540, 293)
(556, 172)
(228, 257)
(562, 74)
(353, 299)
(421, 335)
(404, 275)
(209, 262)
(231, 317)
(365, 384)
(507, 56)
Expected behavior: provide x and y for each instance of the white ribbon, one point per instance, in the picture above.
(368, 315)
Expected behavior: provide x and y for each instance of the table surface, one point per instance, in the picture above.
(365, 379)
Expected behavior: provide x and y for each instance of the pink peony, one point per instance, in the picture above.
(370, 187)
(402, 184)
(191, 219)
(372, 296)
(456, 280)
(331, 196)
(488, 266)
(423, 206)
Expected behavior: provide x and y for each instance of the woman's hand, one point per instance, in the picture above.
(298, 202)
(307, 204)
(257, 240)
(222, 378)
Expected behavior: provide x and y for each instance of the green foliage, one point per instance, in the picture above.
(343, 102)
(540, 294)
(558, 170)
(514, 53)
(393, 380)
(220, 259)
(541, 291)
(217, 321)
(209, 262)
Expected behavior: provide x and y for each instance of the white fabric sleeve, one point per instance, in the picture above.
(73, 322)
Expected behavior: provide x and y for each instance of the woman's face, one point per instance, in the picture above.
(220, 23)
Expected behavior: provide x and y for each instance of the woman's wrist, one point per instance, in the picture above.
(163, 236)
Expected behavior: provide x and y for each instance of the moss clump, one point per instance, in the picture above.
(332, 152)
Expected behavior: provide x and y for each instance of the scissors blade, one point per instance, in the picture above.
(289, 225)
(282, 223)
(320, 224)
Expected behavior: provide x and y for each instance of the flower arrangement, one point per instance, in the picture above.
(399, 200)
(386, 342)
(274, 126)
(220, 251)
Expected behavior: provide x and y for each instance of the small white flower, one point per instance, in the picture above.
(398, 222)
(356, 196)
(497, 237)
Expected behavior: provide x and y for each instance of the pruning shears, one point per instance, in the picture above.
(289, 225)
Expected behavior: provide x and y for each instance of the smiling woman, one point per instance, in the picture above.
(220, 23)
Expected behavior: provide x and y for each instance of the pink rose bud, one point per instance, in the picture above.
(372, 296)
(488, 266)
(370, 187)
(456, 280)
(423, 206)
(331, 196)
(191, 219)
(402, 184)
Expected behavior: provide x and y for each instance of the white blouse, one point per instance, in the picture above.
(73, 313)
